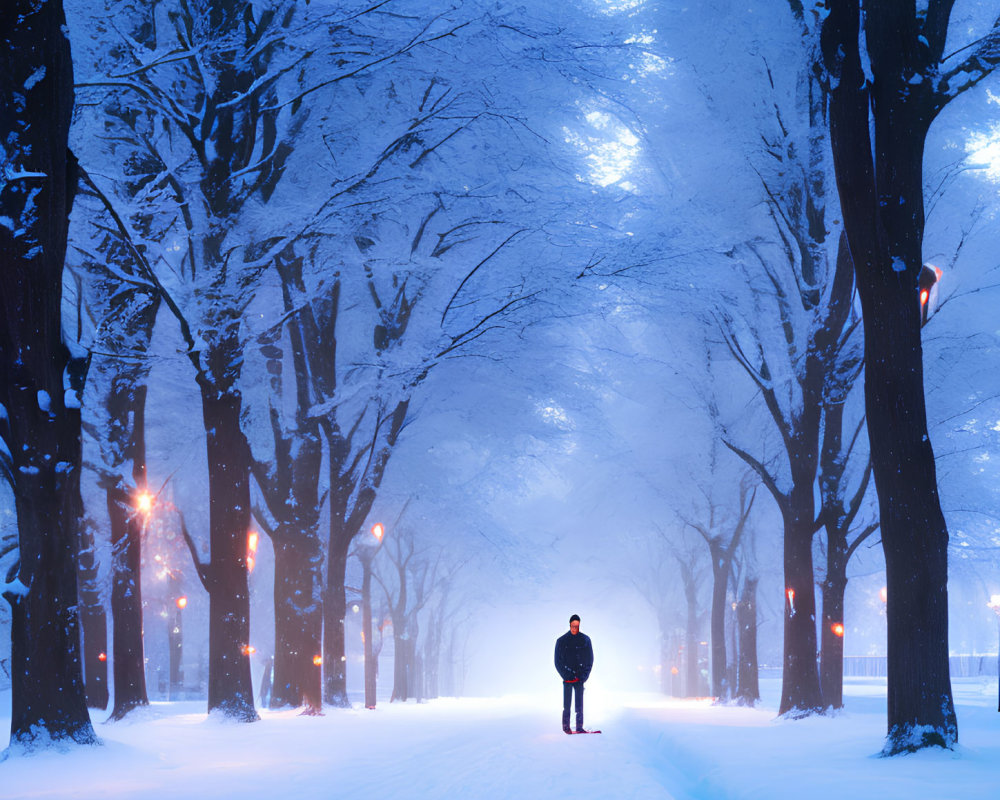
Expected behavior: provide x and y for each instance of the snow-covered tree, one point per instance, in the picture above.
(120, 309)
(39, 392)
(890, 76)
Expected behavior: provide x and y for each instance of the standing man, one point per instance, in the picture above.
(574, 660)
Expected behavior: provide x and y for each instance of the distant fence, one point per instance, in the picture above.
(961, 666)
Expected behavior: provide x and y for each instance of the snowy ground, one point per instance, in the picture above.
(513, 748)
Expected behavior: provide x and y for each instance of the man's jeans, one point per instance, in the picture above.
(569, 689)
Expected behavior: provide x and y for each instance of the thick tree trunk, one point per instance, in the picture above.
(691, 677)
(229, 687)
(832, 633)
(42, 423)
(800, 690)
(748, 686)
(720, 581)
(126, 604)
(298, 621)
(371, 671)
(93, 620)
(94, 624)
(732, 637)
(127, 408)
(882, 202)
(432, 656)
(400, 663)
(417, 676)
(334, 612)
(914, 535)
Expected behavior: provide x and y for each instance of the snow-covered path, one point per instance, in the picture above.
(495, 749)
(447, 749)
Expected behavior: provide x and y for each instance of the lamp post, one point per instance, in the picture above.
(175, 638)
(366, 554)
(995, 605)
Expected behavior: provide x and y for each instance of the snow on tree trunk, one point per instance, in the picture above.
(41, 435)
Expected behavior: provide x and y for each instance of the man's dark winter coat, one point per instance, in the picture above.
(574, 656)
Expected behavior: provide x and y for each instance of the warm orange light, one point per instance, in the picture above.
(674, 671)
(884, 594)
(837, 628)
(362, 636)
(378, 531)
(252, 539)
(102, 656)
(924, 294)
(182, 602)
(144, 502)
(939, 272)
(247, 649)
(317, 660)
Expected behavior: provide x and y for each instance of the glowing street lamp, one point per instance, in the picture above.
(366, 553)
(929, 276)
(144, 503)
(253, 538)
(175, 640)
(838, 629)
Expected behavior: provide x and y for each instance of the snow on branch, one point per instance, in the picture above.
(959, 72)
(413, 43)
(127, 238)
